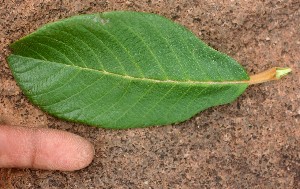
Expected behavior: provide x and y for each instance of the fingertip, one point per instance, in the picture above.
(61, 150)
(80, 153)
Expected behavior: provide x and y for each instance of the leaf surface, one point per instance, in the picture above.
(123, 70)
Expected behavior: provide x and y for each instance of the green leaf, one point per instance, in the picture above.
(123, 70)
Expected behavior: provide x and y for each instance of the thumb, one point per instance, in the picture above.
(42, 148)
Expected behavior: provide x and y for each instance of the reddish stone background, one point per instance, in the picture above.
(251, 143)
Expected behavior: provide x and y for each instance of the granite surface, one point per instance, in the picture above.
(251, 143)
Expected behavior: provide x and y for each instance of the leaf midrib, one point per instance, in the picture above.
(104, 72)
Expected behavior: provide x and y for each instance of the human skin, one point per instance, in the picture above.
(43, 148)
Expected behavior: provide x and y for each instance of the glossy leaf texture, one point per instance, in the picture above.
(123, 70)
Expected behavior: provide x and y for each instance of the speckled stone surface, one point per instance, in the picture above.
(251, 143)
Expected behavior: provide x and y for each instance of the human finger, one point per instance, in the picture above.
(43, 148)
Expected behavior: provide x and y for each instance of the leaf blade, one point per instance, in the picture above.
(116, 84)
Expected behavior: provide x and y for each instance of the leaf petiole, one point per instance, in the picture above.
(269, 75)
